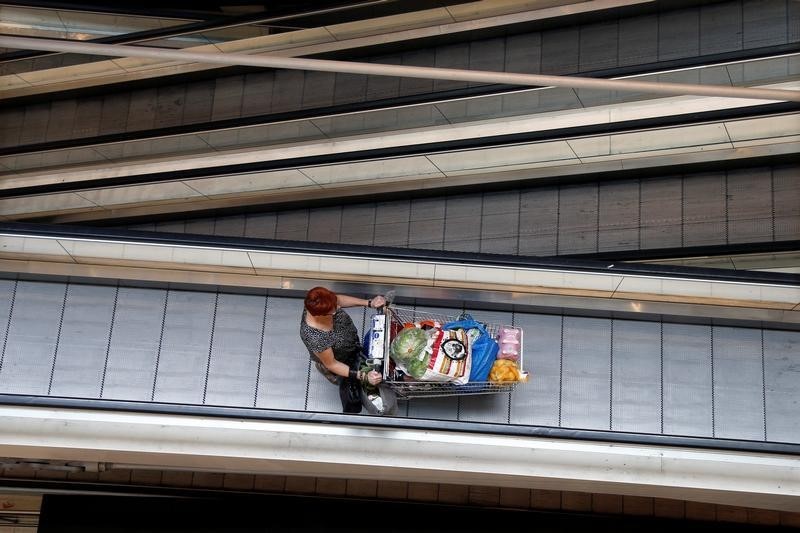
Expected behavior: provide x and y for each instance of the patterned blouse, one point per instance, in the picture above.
(343, 338)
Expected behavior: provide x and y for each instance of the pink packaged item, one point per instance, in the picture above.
(509, 334)
(509, 339)
(509, 351)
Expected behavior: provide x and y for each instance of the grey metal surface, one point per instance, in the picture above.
(8, 290)
(236, 350)
(636, 376)
(618, 216)
(135, 343)
(786, 186)
(586, 373)
(782, 378)
(688, 397)
(539, 401)
(184, 357)
(463, 217)
(83, 344)
(662, 212)
(538, 221)
(243, 350)
(738, 383)
(32, 338)
(704, 221)
(749, 196)
(284, 370)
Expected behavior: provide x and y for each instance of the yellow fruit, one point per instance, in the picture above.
(504, 370)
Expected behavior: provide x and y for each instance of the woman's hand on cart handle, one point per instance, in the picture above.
(376, 302)
(374, 377)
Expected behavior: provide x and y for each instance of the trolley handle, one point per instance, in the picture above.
(389, 297)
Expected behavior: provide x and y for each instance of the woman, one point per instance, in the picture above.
(332, 339)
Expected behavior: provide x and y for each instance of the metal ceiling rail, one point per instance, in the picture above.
(404, 71)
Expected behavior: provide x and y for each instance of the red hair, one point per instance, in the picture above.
(320, 301)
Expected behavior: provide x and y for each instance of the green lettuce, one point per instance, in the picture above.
(408, 351)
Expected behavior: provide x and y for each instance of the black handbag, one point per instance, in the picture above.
(350, 393)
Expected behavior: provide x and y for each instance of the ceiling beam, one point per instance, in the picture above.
(403, 71)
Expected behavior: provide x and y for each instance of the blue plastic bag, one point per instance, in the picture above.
(484, 347)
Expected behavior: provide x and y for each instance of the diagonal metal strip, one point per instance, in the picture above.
(404, 71)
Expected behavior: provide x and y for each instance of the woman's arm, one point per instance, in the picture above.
(341, 369)
(344, 300)
(337, 367)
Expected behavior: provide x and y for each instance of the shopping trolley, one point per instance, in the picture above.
(383, 332)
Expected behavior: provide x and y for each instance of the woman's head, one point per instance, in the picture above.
(320, 301)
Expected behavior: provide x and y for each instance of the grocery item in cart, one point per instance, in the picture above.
(483, 348)
(408, 351)
(506, 376)
(506, 370)
(510, 343)
(450, 359)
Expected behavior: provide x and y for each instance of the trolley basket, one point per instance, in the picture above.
(405, 389)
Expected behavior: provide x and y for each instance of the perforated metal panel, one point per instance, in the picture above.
(538, 222)
(618, 217)
(325, 225)
(236, 350)
(750, 205)
(462, 229)
(392, 223)
(738, 383)
(577, 220)
(661, 213)
(636, 377)
(720, 27)
(32, 337)
(500, 223)
(358, 224)
(284, 372)
(7, 295)
(664, 212)
(786, 186)
(426, 227)
(782, 376)
(134, 346)
(678, 34)
(83, 345)
(292, 225)
(586, 366)
(704, 219)
(185, 347)
(687, 380)
(538, 401)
